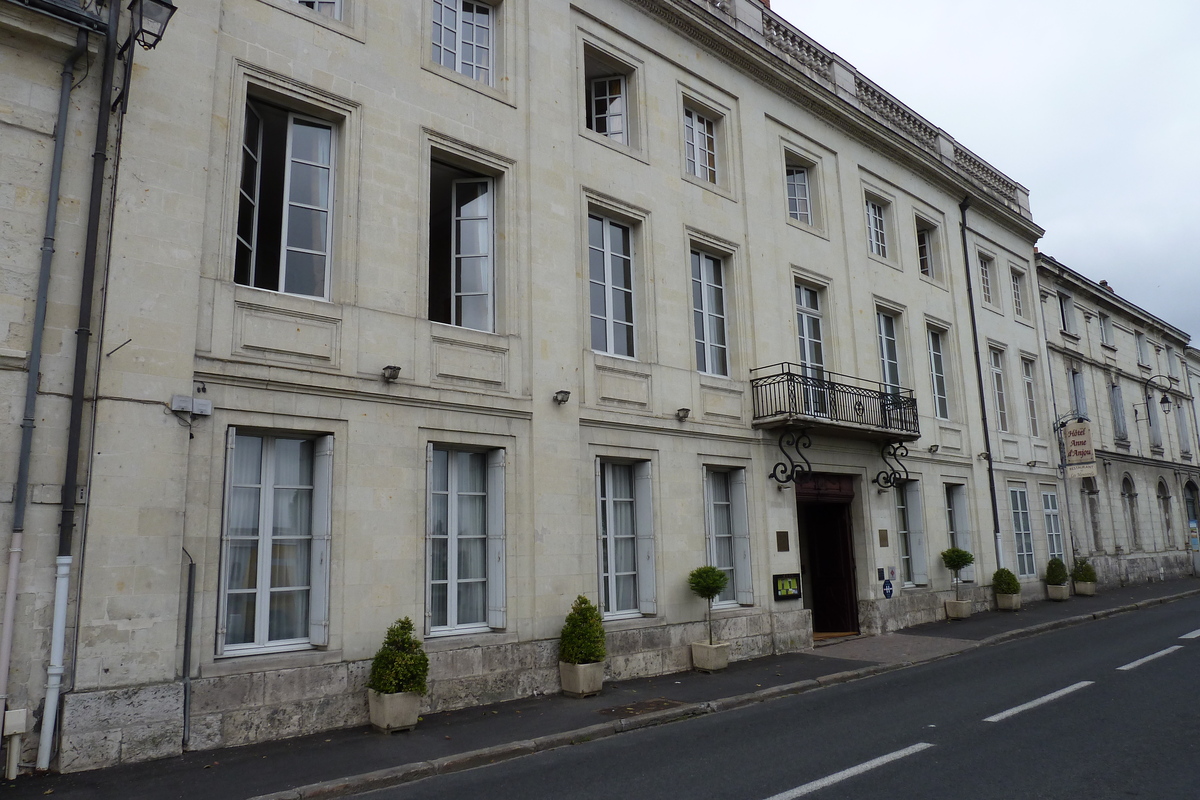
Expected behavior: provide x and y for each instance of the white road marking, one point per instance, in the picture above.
(1193, 635)
(1035, 703)
(838, 777)
(1151, 657)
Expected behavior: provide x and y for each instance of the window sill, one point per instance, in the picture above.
(238, 663)
(630, 150)
(935, 280)
(347, 28)
(629, 620)
(887, 262)
(441, 642)
(484, 89)
(1071, 335)
(1112, 348)
(715, 188)
(806, 227)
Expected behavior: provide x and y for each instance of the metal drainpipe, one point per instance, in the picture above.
(21, 490)
(83, 333)
(987, 435)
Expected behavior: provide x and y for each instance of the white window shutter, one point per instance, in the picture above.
(643, 501)
(222, 598)
(916, 533)
(961, 525)
(429, 484)
(322, 533)
(743, 583)
(599, 539)
(496, 596)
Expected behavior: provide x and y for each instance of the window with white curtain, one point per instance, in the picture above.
(996, 359)
(1018, 499)
(625, 529)
(937, 371)
(729, 532)
(700, 145)
(275, 544)
(889, 353)
(708, 313)
(610, 278)
(462, 235)
(1054, 536)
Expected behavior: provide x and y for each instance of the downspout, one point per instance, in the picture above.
(21, 490)
(83, 332)
(987, 435)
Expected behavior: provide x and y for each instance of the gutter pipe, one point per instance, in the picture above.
(987, 435)
(83, 334)
(21, 489)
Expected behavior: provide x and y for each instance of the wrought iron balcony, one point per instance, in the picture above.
(809, 397)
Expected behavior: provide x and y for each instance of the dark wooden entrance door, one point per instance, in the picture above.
(830, 566)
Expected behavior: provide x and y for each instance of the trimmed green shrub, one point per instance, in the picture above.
(582, 638)
(1056, 572)
(401, 664)
(708, 583)
(1082, 571)
(1005, 582)
(956, 559)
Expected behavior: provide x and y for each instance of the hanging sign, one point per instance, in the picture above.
(1080, 455)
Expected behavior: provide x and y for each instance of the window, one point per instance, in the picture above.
(285, 209)
(328, 8)
(462, 269)
(937, 369)
(729, 533)
(1153, 423)
(1027, 373)
(708, 314)
(1054, 535)
(1164, 507)
(1018, 293)
(607, 112)
(956, 525)
(911, 534)
(1143, 352)
(1129, 506)
(1120, 431)
(1078, 393)
(876, 227)
(1171, 365)
(985, 278)
(889, 357)
(700, 145)
(996, 359)
(465, 540)
(1066, 312)
(1018, 501)
(464, 37)
(1185, 437)
(1192, 506)
(626, 533)
(275, 548)
(610, 270)
(812, 348)
(1106, 330)
(799, 202)
(927, 250)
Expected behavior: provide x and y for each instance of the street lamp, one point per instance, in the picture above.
(150, 18)
(1149, 386)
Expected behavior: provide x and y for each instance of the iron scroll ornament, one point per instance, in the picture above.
(896, 473)
(794, 465)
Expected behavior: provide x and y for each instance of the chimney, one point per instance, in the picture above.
(1106, 286)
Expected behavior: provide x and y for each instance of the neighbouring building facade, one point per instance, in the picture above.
(1133, 376)
(457, 309)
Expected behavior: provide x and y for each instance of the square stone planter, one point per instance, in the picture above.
(393, 712)
(1085, 588)
(1058, 592)
(958, 609)
(710, 657)
(1008, 602)
(581, 680)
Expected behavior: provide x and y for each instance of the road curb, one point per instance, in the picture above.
(395, 776)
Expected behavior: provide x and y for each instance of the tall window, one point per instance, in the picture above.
(285, 210)
(1078, 392)
(985, 278)
(910, 531)
(1129, 506)
(1192, 506)
(1143, 351)
(956, 524)
(462, 272)
(1027, 373)
(927, 250)
(328, 8)
(626, 533)
(903, 533)
(1018, 293)
(996, 358)
(275, 573)
(1170, 358)
(1120, 431)
(1106, 330)
(1164, 507)
(799, 204)
(708, 314)
(465, 548)
(1153, 422)
(463, 37)
(889, 356)
(812, 349)
(1185, 436)
(937, 369)
(1066, 312)
(700, 145)
(610, 271)
(1019, 503)
(1054, 535)
(607, 111)
(876, 228)
(729, 532)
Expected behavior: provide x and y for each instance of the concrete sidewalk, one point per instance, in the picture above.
(346, 761)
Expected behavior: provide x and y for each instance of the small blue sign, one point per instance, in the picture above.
(887, 589)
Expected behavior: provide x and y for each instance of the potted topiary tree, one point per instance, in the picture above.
(1083, 575)
(708, 583)
(581, 650)
(1008, 590)
(956, 559)
(397, 679)
(1056, 580)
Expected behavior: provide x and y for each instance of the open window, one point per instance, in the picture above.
(609, 91)
(462, 243)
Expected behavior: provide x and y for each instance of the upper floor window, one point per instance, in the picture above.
(607, 112)
(1028, 374)
(937, 369)
(1171, 365)
(889, 353)
(927, 249)
(708, 313)
(799, 203)
(877, 243)
(464, 37)
(985, 278)
(610, 277)
(1078, 392)
(462, 268)
(1143, 350)
(1106, 330)
(1181, 423)
(1066, 312)
(1018, 293)
(285, 207)
(996, 359)
(700, 145)
(1117, 403)
(328, 8)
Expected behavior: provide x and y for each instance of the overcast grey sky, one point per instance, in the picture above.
(1093, 105)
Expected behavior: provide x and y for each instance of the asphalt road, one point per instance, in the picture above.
(1100, 723)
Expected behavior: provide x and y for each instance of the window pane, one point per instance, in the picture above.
(311, 142)
(289, 562)
(472, 312)
(247, 462)
(472, 606)
(472, 558)
(243, 512)
(307, 229)
(239, 619)
(309, 185)
(293, 512)
(305, 274)
(289, 615)
(438, 559)
(438, 605)
(243, 565)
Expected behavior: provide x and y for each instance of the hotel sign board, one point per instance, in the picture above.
(1080, 455)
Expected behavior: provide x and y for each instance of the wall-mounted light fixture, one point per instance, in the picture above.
(985, 456)
(562, 396)
(682, 413)
(1033, 463)
(933, 448)
(391, 373)
(150, 18)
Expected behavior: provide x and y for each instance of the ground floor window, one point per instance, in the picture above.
(1019, 503)
(729, 532)
(626, 538)
(1054, 537)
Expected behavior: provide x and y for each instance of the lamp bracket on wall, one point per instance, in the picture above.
(791, 442)
(895, 473)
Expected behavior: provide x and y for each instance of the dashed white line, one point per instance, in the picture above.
(838, 777)
(1193, 635)
(1151, 657)
(1035, 703)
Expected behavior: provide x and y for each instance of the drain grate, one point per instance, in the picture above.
(641, 707)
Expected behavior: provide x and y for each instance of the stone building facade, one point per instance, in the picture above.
(456, 310)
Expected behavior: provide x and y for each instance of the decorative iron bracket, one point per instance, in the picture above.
(791, 442)
(896, 473)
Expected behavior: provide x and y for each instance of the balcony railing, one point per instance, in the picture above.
(795, 394)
